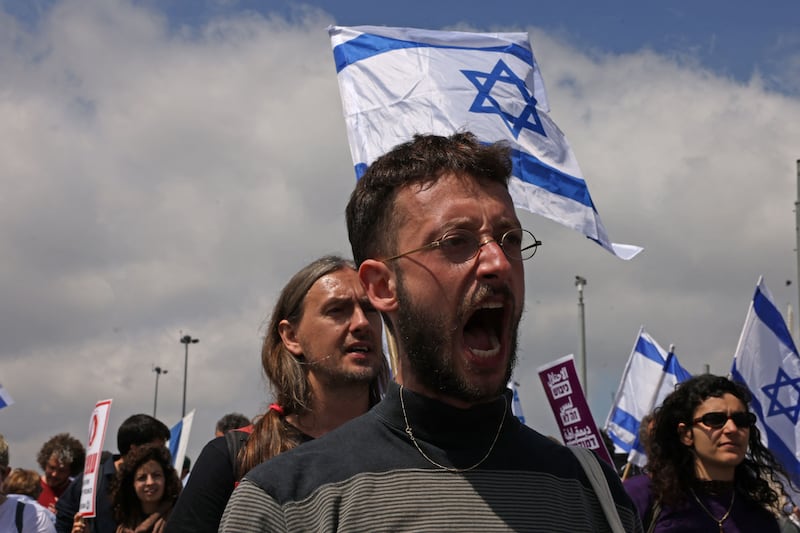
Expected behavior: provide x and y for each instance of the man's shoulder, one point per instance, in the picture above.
(346, 450)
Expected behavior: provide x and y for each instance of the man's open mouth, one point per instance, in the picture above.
(484, 328)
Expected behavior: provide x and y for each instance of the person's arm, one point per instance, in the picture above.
(201, 503)
(68, 504)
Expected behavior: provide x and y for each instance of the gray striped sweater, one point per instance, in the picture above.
(368, 476)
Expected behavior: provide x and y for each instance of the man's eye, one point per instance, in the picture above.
(456, 242)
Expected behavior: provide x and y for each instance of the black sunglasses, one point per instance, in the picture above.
(717, 419)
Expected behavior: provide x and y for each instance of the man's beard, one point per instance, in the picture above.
(428, 343)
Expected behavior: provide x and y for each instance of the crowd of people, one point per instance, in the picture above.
(438, 261)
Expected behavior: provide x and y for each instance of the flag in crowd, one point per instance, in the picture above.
(179, 440)
(516, 403)
(5, 398)
(650, 374)
(766, 360)
(439, 82)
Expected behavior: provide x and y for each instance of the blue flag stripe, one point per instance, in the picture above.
(175, 438)
(619, 443)
(529, 169)
(368, 45)
(648, 350)
(771, 317)
(625, 420)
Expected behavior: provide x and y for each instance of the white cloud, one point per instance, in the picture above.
(157, 180)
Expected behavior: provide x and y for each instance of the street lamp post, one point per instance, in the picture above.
(580, 283)
(187, 340)
(158, 370)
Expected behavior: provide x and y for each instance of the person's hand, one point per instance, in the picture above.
(78, 525)
(52, 506)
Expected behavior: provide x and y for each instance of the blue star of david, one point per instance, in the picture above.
(486, 103)
(775, 405)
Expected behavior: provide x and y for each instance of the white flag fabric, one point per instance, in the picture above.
(5, 398)
(649, 376)
(179, 440)
(766, 360)
(396, 82)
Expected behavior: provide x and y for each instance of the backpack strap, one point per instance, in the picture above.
(18, 516)
(594, 472)
(651, 517)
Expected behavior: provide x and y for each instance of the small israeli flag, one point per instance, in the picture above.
(5, 398)
(516, 404)
(649, 376)
(179, 440)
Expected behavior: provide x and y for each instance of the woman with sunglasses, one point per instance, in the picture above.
(707, 470)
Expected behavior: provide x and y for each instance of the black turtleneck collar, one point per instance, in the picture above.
(440, 423)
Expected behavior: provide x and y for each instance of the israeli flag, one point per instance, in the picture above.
(179, 440)
(516, 404)
(5, 398)
(650, 375)
(396, 82)
(766, 360)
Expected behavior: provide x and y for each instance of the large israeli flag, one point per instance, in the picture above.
(766, 360)
(396, 82)
(650, 375)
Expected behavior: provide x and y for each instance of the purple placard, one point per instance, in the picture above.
(574, 419)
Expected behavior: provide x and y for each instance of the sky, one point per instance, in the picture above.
(166, 166)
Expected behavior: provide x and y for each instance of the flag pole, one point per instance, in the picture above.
(626, 471)
(797, 236)
(580, 282)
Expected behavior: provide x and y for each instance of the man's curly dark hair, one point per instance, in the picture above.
(67, 450)
(671, 464)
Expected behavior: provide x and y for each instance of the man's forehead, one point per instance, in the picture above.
(448, 193)
(336, 284)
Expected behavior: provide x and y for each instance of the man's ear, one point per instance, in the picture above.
(685, 435)
(380, 284)
(288, 335)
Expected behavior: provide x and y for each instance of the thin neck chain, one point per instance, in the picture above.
(722, 518)
(451, 469)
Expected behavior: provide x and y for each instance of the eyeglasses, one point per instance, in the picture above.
(717, 419)
(460, 245)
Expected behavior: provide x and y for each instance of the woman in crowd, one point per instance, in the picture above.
(322, 356)
(707, 470)
(143, 492)
(24, 485)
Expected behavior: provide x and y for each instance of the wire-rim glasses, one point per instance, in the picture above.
(460, 245)
(717, 419)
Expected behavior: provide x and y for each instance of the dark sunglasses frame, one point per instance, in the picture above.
(717, 419)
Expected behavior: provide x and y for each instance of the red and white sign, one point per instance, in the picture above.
(97, 436)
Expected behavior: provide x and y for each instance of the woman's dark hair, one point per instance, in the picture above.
(671, 463)
(287, 375)
(127, 508)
